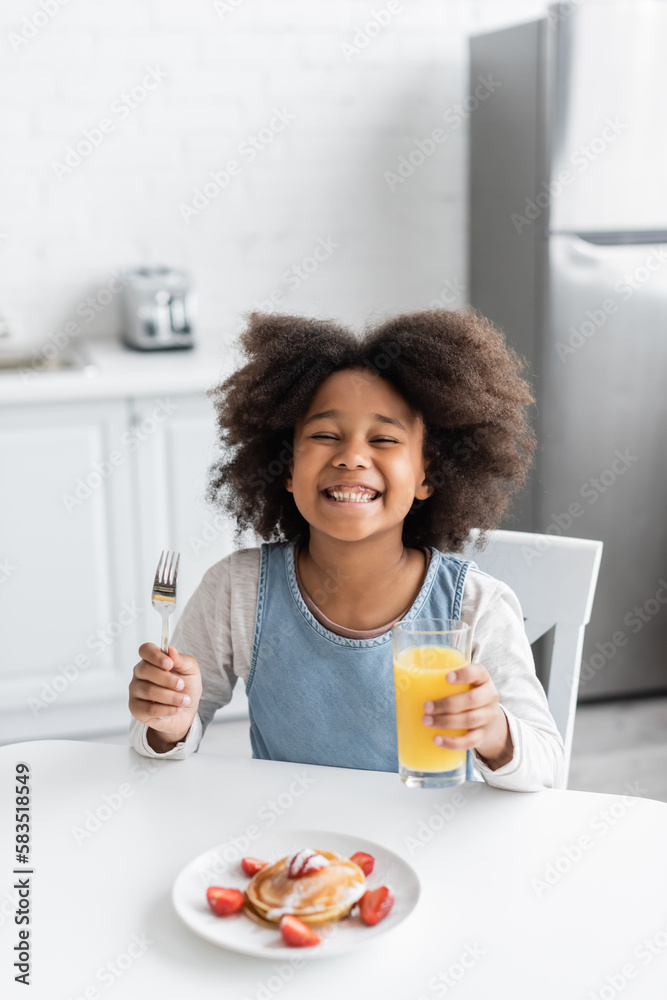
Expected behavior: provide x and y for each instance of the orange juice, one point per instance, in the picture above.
(420, 674)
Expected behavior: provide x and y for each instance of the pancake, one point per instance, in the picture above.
(318, 897)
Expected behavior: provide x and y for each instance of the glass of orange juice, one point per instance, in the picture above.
(425, 650)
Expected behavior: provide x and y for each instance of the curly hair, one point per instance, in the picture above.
(453, 368)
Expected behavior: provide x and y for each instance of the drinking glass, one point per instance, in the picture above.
(425, 650)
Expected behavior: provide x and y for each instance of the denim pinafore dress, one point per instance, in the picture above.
(315, 697)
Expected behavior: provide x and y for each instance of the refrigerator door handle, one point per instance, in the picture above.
(599, 257)
(617, 239)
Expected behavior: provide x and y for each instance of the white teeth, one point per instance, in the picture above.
(356, 497)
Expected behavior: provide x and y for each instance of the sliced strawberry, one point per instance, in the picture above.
(224, 901)
(375, 904)
(252, 865)
(365, 861)
(297, 934)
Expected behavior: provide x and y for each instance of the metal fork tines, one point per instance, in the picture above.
(164, 591)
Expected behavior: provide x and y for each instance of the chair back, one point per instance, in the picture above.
(554, 579)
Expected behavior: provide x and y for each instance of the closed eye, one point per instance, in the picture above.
(331, 437)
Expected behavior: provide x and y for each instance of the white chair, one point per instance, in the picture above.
(554, 579)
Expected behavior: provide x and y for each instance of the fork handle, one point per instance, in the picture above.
(165, 635)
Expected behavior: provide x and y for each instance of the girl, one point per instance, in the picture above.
(363, 464)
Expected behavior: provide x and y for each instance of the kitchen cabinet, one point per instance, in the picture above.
(92, 491)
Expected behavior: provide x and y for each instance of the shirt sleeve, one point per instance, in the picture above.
(499, 643)
(203, 630)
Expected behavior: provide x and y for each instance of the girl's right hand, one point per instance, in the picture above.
(160, 684)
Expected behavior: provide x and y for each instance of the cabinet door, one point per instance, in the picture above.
(178, 444)
(68, 582)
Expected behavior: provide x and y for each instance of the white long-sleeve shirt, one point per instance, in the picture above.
(217, 627)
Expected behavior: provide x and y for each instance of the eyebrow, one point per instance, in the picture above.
(336, 413)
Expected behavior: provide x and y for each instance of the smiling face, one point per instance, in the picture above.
(358, 432)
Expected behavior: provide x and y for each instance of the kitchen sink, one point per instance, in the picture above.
(70, 359)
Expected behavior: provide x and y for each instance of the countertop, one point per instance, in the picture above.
(118, 371)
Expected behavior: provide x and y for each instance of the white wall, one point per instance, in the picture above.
(226, 67)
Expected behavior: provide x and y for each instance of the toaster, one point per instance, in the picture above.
(157, 308)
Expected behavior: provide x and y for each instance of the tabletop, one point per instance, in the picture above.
(546, 894)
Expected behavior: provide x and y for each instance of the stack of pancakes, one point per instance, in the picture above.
(318, 897)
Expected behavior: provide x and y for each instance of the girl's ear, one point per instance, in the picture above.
(424, 491)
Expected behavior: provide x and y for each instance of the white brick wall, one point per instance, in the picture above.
(226, 70)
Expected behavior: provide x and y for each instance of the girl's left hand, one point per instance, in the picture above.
(476, 710)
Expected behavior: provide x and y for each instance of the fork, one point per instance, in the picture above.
(163, 597)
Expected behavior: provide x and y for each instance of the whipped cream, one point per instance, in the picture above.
(304, 862)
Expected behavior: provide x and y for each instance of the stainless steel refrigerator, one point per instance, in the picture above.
(568, 255)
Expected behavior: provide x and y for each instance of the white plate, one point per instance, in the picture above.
(239, 933)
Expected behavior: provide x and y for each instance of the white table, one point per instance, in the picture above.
(96, 903)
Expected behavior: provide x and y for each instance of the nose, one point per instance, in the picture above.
(353, 455)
